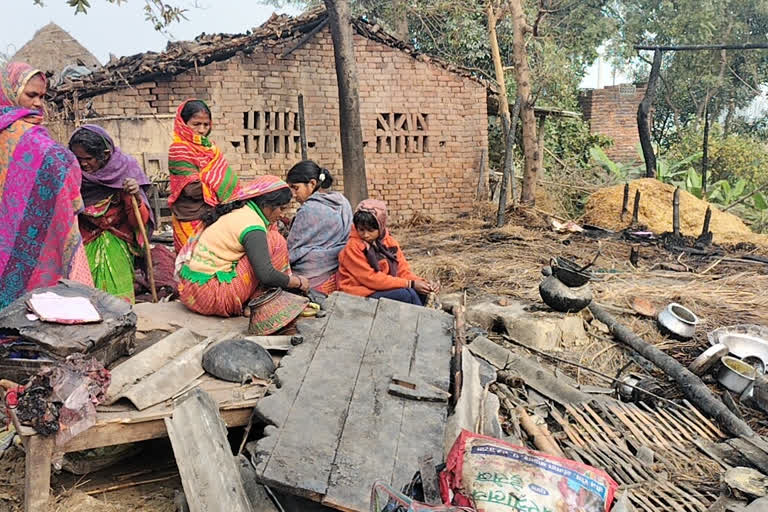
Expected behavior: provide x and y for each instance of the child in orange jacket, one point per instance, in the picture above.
(372, 263)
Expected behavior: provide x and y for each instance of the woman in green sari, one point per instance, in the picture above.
(109, 225)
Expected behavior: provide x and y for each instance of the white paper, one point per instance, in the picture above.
(52, 307)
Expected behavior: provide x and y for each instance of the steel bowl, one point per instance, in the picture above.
(736, 375)
(678, 321)
(745, 341)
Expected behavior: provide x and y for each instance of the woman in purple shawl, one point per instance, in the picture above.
(109, 225)
(321, 227)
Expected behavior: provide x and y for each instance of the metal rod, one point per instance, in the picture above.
(694, 47)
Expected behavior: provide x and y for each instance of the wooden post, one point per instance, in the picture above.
(351, 131)
(625, 201)
(302, 128)
(634, 255)
(540, 144)
(482, 178)
(509, 165)
(636, 208)
(37, 473)
(676, 212)
(707, 219)
(643, 122)
(705, 152)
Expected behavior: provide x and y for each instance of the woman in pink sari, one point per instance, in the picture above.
(40, 240)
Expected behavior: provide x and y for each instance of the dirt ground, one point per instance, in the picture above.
(471, 254)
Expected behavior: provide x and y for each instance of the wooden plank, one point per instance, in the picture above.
(198, 434)
(274, 408)
(307, 440)
(422, 430)
(121, 433)
(38, 473)
(368, 444)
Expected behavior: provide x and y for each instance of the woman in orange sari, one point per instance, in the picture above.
(200, 175)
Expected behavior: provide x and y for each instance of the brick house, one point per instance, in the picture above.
(52, 48)
(424, 121)
(612, 111)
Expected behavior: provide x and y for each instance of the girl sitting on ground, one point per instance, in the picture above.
(373, 265)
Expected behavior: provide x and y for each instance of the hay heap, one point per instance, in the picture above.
(604, 209)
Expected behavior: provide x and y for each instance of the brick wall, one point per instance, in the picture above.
(612, 111)
(443, 113)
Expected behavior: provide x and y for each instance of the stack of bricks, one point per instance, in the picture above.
(612, 111)
(256, 95)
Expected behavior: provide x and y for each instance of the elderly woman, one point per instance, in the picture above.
(109, 225)
(40, 240)
(239, 255)
(321, 227)
(200, 175)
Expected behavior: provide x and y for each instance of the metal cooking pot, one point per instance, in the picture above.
(736, 375)
(678, 321)
(569, 273)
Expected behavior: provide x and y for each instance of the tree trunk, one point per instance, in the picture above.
(531, 148)
(401, 19)
(643, 122)
(353, 157)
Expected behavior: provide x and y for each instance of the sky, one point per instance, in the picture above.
(122, 29)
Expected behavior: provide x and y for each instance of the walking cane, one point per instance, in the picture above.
(147, 250)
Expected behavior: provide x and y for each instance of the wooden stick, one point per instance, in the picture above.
(458, 346)
(126, 485)
(707, 219)
(676, 212)
(693, 388)
(625, 201)
(147, 249)
(541, 439)
(303, 127)
(636, 208)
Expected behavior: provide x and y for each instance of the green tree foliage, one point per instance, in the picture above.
(731, 157)
(691, 81)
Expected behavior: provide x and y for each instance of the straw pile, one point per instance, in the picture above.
(604, 209)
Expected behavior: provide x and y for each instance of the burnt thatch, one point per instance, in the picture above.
(205, 49)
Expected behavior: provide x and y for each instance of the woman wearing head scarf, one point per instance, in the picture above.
(40, 240)
(200, 175)
(239, 254)
(321, 227)
(373, 265)
(109, 225)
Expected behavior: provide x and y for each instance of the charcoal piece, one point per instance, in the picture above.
(237, 360)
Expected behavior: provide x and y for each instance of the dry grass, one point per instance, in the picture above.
(471, 254)
(604, 207)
